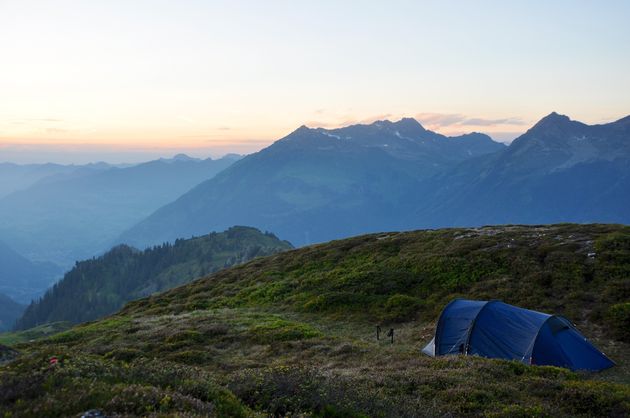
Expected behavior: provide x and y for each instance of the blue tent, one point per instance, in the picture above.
(497, 330)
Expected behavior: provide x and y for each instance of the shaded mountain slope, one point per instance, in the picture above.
(558, 171)
(98, 287)
(294, 333)
(72, 217)
(14, 177)
(9, 312)
(317, 184)
(22, 279)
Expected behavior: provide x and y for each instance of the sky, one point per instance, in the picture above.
(130, 80)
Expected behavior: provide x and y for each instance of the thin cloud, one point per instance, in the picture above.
(431, 120)
(489, 122)
(27, 121)
(54, 131)
(186, 119)
(238, 141)
(39, 120)
(441, 120)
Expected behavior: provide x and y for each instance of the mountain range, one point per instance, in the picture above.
(316, 185)
(319, 184)
(560, 170)
(76, 212)
(100, 286)
(14, 177)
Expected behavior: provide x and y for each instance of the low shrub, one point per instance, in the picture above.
(192, 357)
(187, 336)
(282, 330)
(618, 320)
(124, 354)
(400, 308)
(587, 398)
(520, 411)
(141, 387)
(297, 391)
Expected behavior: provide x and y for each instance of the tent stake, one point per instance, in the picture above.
(391, 334)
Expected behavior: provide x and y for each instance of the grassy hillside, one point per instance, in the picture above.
(100, 286)
(35, 333)
(293, 333)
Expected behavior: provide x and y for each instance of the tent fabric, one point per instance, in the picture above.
(495, 329)
(452, 330)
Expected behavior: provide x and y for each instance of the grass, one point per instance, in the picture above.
(546, 268)
(41, 331)
(294, 333)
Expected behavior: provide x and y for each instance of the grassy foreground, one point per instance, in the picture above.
(294, 333)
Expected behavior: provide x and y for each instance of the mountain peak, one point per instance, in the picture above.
(409, 123)
(408, 127)
(404, 123)
(232, 156)
(179, 158)
(299, 133)
(183, 157)
(552, 119)
(302, 130)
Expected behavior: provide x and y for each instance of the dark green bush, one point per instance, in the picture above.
(618, 319)
(400, 308)
(281, 330)
(123, 354)
(188, 336)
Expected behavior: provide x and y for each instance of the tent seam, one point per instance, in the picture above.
(473, 323)
(533, 343)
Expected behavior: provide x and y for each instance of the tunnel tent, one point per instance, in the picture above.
(495, 329)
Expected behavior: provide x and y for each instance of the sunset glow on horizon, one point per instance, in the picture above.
(126, 80)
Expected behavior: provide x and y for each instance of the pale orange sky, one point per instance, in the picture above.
(124, 80)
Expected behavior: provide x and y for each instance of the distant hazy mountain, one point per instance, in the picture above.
(558, 171)
(21, 279)
(14, 177)
(9, 312)
(317, 184)
(75, 215)
(98, 287)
